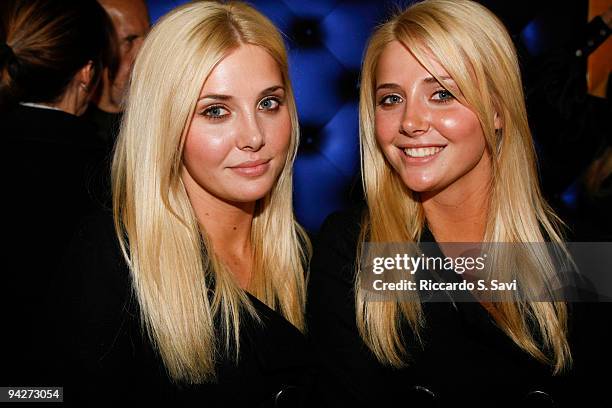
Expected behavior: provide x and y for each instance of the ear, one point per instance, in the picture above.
(85, 76)
(497, 121)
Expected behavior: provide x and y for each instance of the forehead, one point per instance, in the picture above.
(397, 64)
(127, 13)
(245, 70)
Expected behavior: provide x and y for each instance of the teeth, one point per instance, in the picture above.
(422, 151)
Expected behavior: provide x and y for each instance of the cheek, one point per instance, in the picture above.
(460, 126)
(278, 132)
(124, 60)
(205, 148)
(386, 127)
(466, 141)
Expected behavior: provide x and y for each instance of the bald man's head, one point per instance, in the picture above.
(131, 21)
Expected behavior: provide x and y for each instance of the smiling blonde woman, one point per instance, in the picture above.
(447, 156)
(198, 293)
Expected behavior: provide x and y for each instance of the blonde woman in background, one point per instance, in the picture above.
(194, 291)
(447, 156)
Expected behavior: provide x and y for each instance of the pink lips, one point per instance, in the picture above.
(252, 168)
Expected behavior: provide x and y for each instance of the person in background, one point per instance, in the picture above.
(131, 22)
(52, 54)
(573, 131)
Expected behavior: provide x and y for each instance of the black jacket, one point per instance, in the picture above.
(466, 360)
(51, 165)
(107, 124)
(109, 357)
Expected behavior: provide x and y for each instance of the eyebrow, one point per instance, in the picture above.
(428, 80)
(388, 86)
(221, 97)
(432, 80)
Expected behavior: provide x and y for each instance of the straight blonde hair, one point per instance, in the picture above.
(472, 45)
(183, 289)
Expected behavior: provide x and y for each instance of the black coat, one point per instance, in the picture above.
(51, 168)
(109, 356)
(466, 359)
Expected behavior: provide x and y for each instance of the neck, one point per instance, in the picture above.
(459, 212)
(70, 102)
(228, 227)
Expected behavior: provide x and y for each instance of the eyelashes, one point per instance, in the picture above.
(215, 112)
(440, 96)
(389, 100)
(445, 96)
(271, 103)
(218, 112)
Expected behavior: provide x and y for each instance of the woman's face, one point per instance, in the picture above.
(431, 140)
(239, 136)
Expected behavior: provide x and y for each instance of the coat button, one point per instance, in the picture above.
(538, 398)
(423, 396)
(288, 396)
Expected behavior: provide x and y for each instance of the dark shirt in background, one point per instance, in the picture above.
(52, 172)
(106, 124)
(572, 128)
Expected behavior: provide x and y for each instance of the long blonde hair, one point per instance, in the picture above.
(473, 46)
(184, 291)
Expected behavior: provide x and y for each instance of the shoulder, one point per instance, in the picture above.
(95, 236)
(344, 221)
(97, 226)
(94, 292)
(96, 277)
(26, 125)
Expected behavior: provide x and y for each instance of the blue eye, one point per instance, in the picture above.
(443, 96)
(392, 99)
(215, 112)
(269, 104)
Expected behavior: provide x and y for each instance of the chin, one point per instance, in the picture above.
(247, 195)
(419, 185)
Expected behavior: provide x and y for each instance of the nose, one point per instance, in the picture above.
(250, 135)
(415, 120)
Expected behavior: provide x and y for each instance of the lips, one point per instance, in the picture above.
(250, 163)
(252, 168)
(420, 154)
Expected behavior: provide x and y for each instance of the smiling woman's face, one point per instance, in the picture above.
(430, 139)
(238, 139)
